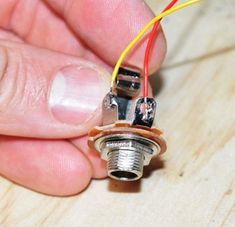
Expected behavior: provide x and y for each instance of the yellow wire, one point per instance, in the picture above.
(143, 31)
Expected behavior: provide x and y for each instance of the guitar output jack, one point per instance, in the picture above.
(127, 140)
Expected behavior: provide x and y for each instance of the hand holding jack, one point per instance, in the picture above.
(56, 56)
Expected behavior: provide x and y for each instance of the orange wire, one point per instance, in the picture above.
(149, 48)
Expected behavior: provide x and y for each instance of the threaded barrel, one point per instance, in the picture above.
(125, 164)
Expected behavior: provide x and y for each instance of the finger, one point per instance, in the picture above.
(48, 95)
(51, 167)
(98, 165)
(46, 29)
(6, 35)
(107, 38)
(108, 26)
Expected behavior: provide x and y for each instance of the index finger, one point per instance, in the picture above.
(106, 27)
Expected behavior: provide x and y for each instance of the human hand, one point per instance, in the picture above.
(55, 59)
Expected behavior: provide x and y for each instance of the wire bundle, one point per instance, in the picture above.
(156, 22)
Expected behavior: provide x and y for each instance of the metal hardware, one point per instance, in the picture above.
(126, 140)
(145, 112)
(128, 82)
(126, 154)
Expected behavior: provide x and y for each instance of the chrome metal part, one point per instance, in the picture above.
(128, 82)
(110, 109)
(126, 154)
(120, 105)
(126, 148)
(117, 108)
(145, 112)
(126, 140)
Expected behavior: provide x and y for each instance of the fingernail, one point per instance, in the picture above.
(76, 93)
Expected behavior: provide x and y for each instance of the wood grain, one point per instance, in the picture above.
(194, 183)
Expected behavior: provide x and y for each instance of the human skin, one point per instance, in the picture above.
(55, 62)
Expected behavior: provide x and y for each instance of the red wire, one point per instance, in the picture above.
(149, 47)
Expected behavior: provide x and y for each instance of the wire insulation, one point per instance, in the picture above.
(142, 32)
(149, 46)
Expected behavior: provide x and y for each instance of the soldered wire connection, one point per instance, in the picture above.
(140, 35)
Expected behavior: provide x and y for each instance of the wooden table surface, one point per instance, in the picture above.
(194, 183)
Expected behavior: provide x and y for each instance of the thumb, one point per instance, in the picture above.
(47, 94)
